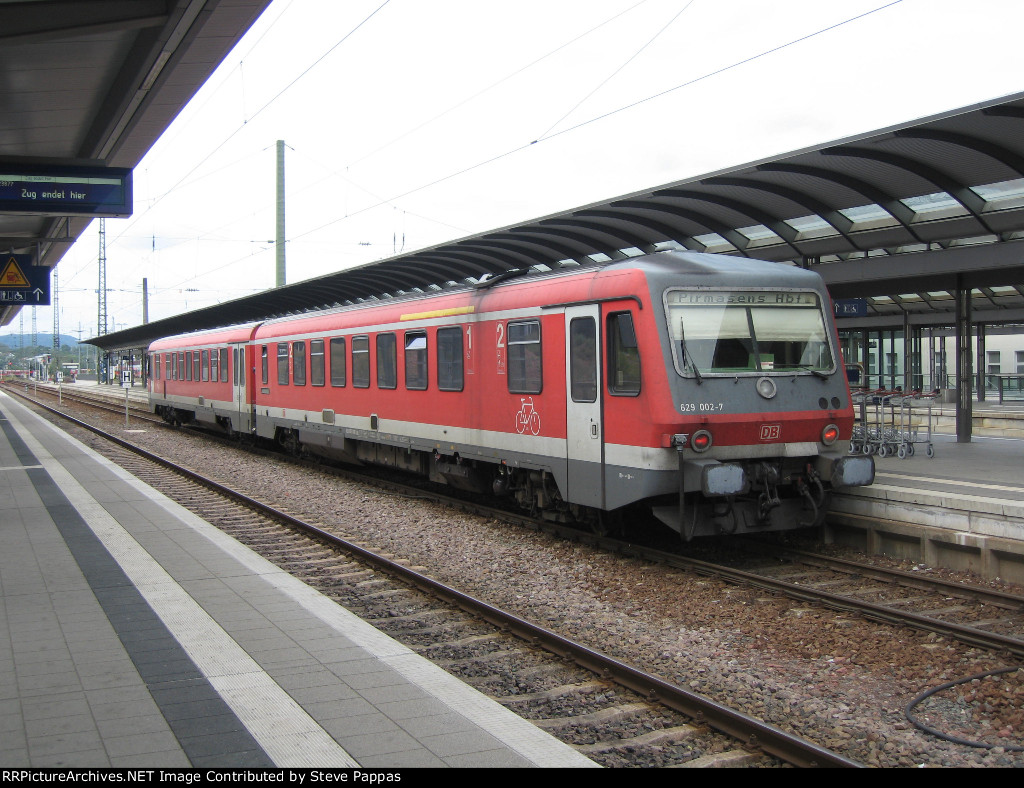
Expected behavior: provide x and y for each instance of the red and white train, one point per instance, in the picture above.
(708, 389)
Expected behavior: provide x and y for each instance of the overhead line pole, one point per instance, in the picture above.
(279, 243)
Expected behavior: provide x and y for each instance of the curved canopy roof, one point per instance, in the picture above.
(903, 215)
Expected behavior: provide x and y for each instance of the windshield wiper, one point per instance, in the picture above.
(687, 356)
(812, 370)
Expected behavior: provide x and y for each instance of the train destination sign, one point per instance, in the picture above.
(23, 283)
(65, 191)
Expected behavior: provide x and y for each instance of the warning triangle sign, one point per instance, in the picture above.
(12, 275)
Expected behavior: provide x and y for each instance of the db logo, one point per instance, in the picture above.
(771, 432)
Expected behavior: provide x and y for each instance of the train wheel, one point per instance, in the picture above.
(607, 523)
(289, 441)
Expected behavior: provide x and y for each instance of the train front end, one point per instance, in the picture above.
(763, 414)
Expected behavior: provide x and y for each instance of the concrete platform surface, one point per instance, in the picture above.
(134, 634)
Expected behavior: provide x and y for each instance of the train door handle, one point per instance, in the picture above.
(593, 430)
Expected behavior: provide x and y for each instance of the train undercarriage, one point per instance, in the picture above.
(713, 499)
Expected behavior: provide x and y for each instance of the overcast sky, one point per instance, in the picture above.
(410, 123)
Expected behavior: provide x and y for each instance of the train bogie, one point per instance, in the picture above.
(707, 389)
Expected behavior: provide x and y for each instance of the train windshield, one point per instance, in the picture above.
(747, 331)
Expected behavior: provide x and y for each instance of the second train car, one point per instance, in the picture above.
(707, 389)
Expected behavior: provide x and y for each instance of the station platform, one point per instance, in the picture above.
(136, 635)
(961, 509)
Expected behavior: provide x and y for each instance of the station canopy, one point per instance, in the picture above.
(904, 217)
(92, 85)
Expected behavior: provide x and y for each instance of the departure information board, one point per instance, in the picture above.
(65, 191)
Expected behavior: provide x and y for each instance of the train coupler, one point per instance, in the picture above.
(766, 501)
(814, 481)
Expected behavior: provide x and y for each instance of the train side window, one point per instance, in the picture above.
(282, 363)
(156, 366)
(299, 363)
(316, 362)
(524, 357)
(181, 364)
(206, 366)
(188, 365)
(234, 366)
(449, 359)
(387, 361)
(583, 359)
(170, 363)
(361, 362)
(416, 360)
(623, 356)
(214, 365)
(264, 364)
(338, 367)
(224, 374)
(195, 365)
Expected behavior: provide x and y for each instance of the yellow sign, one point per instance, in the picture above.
(13, 276)
(459, 310)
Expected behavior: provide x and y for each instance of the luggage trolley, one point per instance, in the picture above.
(871, 432)
(887, 430)
(915, 414)
(890, 423)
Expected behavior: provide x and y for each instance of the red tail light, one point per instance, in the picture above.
(701, 440)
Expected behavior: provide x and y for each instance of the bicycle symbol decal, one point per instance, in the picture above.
(527, 417)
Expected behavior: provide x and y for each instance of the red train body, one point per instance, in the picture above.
(708, 389)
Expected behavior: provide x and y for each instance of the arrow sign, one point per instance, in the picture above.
(23, 283)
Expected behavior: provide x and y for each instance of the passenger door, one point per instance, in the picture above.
(239, 383)
(584, 427)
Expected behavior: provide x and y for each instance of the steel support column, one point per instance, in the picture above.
(964, 376)
(982, 362)
(933, 365)
(917, 358)
(908, 354)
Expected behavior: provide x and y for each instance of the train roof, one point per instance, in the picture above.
(213, 336)
(701, 268)
(668, 268)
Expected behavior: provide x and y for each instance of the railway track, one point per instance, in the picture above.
(973, 615)
(970, 614)
(615, 713)
(976, 616)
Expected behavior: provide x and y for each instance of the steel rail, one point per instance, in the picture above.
(961, 632)
(906, 579)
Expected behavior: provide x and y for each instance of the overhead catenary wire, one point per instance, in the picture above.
(525, 146)
(548, 135)
(618, 70)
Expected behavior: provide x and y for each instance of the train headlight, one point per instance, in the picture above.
(701, 441)
(830, 434)
(766, 387)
